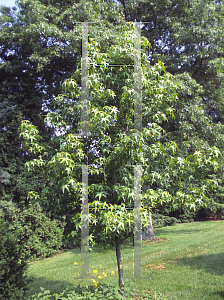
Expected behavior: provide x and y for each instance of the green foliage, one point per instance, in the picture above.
(213, 207)
(102, 291)
(44, 45)
(60, 165)
(4, 177)
(44, 42)
(37, 234)
(104, 224)
(40, 48)
(159, 155)
(184, 215)
(13, 283)
(187, 37)
(174, 180)
(192, 37)
(160, 220)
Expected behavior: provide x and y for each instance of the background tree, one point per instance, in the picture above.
(111, 122)
(39, 50)
(187, 36)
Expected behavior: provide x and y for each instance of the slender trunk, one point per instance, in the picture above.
(119, 264)
(150, 235)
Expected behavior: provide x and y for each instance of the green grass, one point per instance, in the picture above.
(186, 263)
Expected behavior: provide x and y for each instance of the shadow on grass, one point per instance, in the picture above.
(221, 294)
(52, 285)
(175, 232)
(210, 263)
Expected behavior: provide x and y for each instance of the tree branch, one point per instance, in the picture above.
(126, 130)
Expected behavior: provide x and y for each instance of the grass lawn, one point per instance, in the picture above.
(187, 262)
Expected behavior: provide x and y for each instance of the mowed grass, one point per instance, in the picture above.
(186, 262)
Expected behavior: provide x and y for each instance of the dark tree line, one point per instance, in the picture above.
(41, 47)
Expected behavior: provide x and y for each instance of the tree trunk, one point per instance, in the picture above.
(119, 264)
(150, 235)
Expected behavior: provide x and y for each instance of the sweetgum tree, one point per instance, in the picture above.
(40, 46)
(111, 90)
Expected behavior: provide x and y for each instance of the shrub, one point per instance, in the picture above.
(212, 207)
(68, 241)
(13, 283)
(158, 220)
(170, 221)
(162, 221)
(37, 233)
(183, 215)
(102, 291)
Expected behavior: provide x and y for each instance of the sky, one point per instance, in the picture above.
(7, 2)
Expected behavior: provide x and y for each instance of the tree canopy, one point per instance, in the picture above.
(111, 123)
(182, 119)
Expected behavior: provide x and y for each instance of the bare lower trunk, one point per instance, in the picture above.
(150, 235)
(119, 264)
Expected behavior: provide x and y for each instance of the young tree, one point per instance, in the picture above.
(111, 196)
(40, 48)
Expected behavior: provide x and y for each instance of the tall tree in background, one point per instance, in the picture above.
(187, 36)
(39, 50)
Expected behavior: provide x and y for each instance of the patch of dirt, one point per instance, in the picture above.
(56, 254)
(147, 242)
(160, 266)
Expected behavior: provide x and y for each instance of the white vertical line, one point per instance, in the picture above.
(84, 94)
(85, 131)
(137, 169)
(137, 223)
(85, 224)
(137, 81)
